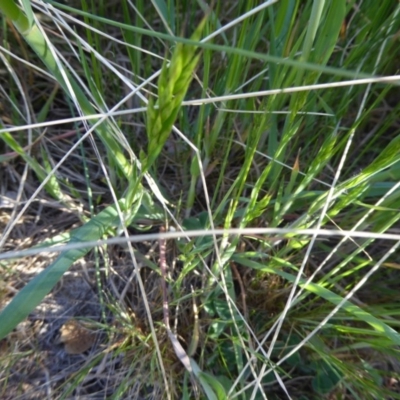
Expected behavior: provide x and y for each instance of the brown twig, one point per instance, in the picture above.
(179, 350)
(163, 267)
(242, 290)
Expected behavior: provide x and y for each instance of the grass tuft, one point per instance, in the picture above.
(211, 214)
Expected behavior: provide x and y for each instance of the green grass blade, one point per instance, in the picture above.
(26, 4)
(358, 313)
(10, 9)
(52, 186)
(34, 292)
(39, 44)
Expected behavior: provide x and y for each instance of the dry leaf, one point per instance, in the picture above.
(76, 338)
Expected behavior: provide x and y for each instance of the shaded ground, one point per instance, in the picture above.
(67, 335)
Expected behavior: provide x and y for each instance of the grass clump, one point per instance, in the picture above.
(213, 191)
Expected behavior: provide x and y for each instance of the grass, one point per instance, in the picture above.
(266, 138)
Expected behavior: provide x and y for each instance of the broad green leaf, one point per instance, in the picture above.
(329, 32)
(218, 390)
(212, 388)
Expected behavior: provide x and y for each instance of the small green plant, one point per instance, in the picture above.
(278, 119)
